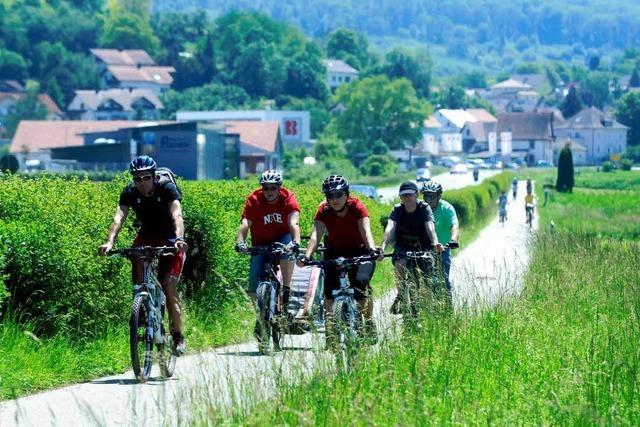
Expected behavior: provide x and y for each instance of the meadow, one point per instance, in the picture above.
(567, 351)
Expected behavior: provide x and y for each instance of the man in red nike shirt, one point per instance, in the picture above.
(272, 215)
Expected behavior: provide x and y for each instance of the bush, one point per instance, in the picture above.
(626, 164)
(607, 166)
(50, 229)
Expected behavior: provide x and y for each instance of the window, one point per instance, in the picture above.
(532, 144)
(347, 79)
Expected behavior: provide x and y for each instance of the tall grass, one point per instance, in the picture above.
(566, 352)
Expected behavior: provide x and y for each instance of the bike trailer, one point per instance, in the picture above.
(305, 297)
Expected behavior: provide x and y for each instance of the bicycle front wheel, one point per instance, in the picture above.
(140, 340)
(166, 356)
(264, 302)
(345, 330)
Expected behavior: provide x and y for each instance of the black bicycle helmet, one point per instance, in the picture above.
(335, 183)
(431, 187)
(142, 164)
(271, 177)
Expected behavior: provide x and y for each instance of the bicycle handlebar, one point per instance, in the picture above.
(143, 251)
(341, 261)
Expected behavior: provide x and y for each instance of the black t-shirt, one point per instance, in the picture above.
(153, 212)
(411, 231)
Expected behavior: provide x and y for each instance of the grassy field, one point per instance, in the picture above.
(567, 352)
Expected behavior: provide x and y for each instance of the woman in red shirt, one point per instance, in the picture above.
(345, 221)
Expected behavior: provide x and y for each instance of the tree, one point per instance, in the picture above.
(328, 146)
(213, 96)
(28, 108)
(452, 97)
(305, 75)
(348, 46)
(571, 104)
(564, 180)
(260, 70)
(628, 113)
(12, 65)
(126, 30)
(378, 108)
(634, 81)
(594, 90)
(416, 67)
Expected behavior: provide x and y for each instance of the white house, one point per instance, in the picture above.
(115, 104)
(131, 69)
(600, 134)
(339, 73)
(531, 135)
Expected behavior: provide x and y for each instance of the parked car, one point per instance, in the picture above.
(512, 165)
(423, 174)
(543, 164)
(449, 161)
(459, 168)
(366, 190)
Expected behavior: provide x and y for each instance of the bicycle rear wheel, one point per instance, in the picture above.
(140, 340)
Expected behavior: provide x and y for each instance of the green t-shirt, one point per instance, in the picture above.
(445, 217)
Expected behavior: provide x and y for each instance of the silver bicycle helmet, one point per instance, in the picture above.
(271, 177)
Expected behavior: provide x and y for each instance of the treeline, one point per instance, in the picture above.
(591, 23)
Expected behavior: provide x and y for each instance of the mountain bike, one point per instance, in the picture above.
(272, 319)
(529, 211)
(147, 326)
(348, 323)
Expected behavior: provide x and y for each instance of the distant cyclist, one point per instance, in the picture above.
(411, 226)
(271, 213)
(514, 187)
(502, 205)
(345, 220)
(446, 221)
(530, 202)
(529, 186)
(158, 207)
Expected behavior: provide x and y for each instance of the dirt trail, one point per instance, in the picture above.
(485, 272)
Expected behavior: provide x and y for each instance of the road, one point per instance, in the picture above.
(449, 182)
(487, 272)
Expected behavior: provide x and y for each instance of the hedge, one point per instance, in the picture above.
(470, 201)
(50, 229)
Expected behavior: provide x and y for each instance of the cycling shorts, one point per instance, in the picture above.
(169, 264)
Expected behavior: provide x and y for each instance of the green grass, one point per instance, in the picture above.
(567, 352)
(614, 180)
(30, 364)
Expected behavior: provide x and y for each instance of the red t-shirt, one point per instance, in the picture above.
(269, 221)
(343, 233)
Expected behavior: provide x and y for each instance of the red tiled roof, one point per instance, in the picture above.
(262, 135)
(123, 57)
(44, 99)
(41, 134)
(158, 75)
(482, 115)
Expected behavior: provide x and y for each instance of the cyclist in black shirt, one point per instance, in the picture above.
(411, 225)
(158, 208)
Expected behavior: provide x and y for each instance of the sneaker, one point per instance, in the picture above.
(179, 345)
(395, 307)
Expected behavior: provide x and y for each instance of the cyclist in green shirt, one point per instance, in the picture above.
(446, 221)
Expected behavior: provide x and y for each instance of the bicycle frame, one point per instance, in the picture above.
(151, 287)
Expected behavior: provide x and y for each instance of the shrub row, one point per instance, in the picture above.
(470, 201)
(50, 229)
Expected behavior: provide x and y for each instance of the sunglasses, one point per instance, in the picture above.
(336, 195)
(144, 178)
(430, 196)
(270, 188)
